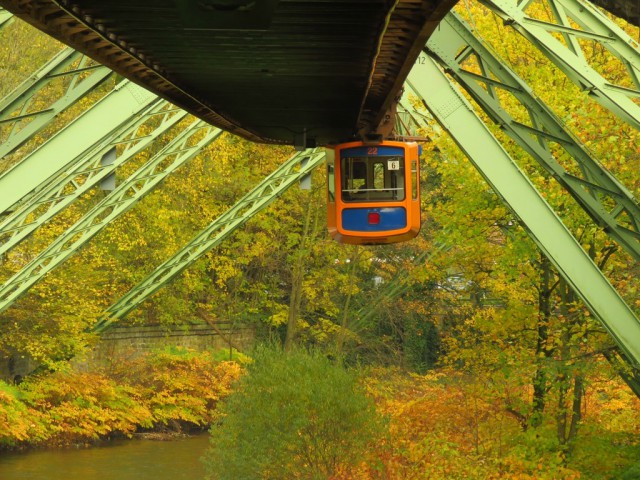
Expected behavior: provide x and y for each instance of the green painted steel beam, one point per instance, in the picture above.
(272, 187)
(181, 149)
(63, 188)
(16, 115)
(409, 120)
(6, 18)
(36, 81)
(398, 285)
(456, 116)
(598, 192)
(568, 57)
(109, 113)
(621, 366)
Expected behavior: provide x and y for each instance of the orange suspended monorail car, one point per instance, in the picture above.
(373, 192)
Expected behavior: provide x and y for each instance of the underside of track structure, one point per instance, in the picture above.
(276, 71)
(627, 9)
(303, 72)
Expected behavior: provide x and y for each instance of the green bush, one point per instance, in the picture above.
(632, 474)
(294, 415)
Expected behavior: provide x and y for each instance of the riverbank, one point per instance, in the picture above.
(443, 424)
(171, 391)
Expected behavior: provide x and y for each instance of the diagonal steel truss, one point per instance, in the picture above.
(6, 17)
(598, 192)
(182, 148)
(58, 152)
(577, 22)
(271, 188)
(63, 188)
(21, 116)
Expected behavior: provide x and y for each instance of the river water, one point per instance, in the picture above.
(122, 460)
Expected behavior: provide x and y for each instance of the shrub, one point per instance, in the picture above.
(294, 415)
(632, 474)
(78, 407)
(177, 387)
(17, 422)
(181, 385)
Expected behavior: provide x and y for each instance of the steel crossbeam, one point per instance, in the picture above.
(621, 366)
(272, 187)
(88, 171)
(456, 116)
(599, 193)
(409, 120)
(398, 285)
(18, 122)
(181, 149)
(575, 20)
(6, 18)
(57, 153)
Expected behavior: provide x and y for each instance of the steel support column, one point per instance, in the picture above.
(455, 115)
(17, 118)
(6, 18)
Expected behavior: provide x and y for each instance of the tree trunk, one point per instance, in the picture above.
(344, 322)
(542, 352)
(297, 276)
(576, 408)
(568, 417)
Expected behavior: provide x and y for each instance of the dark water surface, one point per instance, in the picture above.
(124, 460)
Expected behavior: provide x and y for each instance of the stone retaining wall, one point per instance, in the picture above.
(122, 342)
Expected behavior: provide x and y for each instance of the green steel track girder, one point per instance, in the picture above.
(456, 116)
(65, 187)
(593, 26)
(18, 123)
(399, 284)
(109, 113)
(599, 193)
(5, 18)
(621, 366)
(409, 120)
(36, 81)
(181, 149)
(273, 186)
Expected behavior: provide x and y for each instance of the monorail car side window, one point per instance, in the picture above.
(378, 176)
(414, 179)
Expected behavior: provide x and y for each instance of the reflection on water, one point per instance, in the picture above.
(126, 460)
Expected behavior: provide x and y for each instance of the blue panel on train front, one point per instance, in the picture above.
(371, 152)
(364, 219)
